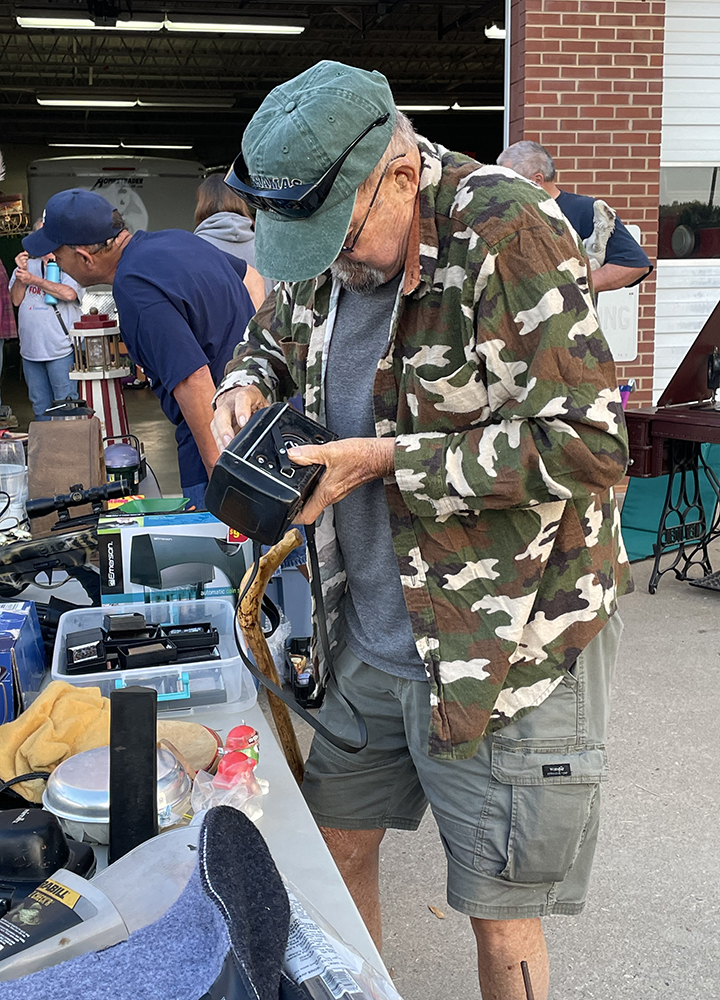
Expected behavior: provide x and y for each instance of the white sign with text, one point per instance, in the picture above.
(618, 311)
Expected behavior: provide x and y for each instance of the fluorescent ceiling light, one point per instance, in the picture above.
(246, 26)
(38, 18)
(189, 102)
(69, 23)
(494, 33)
(89, 101)
(133, 25)
(423, 107)
(85, 102)
(478, 107)
(140, 145)
(85, 24)
(87, 145)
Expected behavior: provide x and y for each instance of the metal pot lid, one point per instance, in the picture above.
(79, 788)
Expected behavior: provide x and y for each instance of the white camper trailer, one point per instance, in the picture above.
(151, 192)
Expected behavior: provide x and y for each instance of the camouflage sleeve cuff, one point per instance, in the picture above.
(239, 378)
(420, 475)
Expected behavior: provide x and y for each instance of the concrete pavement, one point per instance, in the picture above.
(651, 927)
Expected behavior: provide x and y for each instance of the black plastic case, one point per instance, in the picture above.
(197, 636)
(152, 654)
(85, 651)
(120, 626)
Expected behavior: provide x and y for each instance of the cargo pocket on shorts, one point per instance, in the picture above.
(554, 791)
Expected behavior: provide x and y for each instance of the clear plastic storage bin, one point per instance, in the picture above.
(181, 686)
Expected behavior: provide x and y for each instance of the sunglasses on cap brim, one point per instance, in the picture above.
(292, 200)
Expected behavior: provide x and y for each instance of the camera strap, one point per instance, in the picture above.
(273, 616)
(61, 321)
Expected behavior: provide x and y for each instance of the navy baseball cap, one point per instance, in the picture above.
(72, 218)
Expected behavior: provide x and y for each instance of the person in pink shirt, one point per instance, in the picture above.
(8, 329)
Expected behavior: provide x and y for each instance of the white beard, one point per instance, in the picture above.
(357, 277)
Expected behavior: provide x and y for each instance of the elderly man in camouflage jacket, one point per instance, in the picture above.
(436, 314)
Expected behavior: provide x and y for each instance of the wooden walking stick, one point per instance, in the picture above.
(526, 981)
(248, 613)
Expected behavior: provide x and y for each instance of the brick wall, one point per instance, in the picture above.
(586, 82)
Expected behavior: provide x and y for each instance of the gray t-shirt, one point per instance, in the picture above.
(42, 338)
(376, 621)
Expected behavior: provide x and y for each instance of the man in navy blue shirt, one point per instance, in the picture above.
(626, 263)
(183, 307)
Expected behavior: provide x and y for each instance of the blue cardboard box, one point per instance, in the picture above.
(22, 656)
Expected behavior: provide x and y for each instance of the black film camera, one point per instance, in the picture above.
(255, 488)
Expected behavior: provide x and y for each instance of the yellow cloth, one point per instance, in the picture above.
(62, 721)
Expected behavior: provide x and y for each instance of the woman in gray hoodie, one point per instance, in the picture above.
(223, 219)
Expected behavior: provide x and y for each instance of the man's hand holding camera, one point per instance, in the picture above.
(348, 463)
(233, 409)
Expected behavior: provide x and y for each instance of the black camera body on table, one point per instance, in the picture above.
(255, 488)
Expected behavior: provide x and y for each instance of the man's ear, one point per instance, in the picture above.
(86, 256)
(407, 177)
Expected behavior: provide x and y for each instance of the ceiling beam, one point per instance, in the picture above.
(464, 20)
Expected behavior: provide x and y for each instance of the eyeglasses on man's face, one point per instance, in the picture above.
(349, 248)
(292, 200)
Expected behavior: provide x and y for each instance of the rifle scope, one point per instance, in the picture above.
(77, 497)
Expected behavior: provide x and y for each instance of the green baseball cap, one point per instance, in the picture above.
(297, 133)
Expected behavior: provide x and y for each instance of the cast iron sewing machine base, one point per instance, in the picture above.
(683, 525)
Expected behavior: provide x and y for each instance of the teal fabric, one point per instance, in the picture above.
(643, 505)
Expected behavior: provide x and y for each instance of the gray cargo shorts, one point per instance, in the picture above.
(519, 821)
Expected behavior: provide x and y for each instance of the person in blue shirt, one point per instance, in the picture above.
(626, 263)
(183, 306)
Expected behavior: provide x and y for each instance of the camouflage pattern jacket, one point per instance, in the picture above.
(500, 391)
